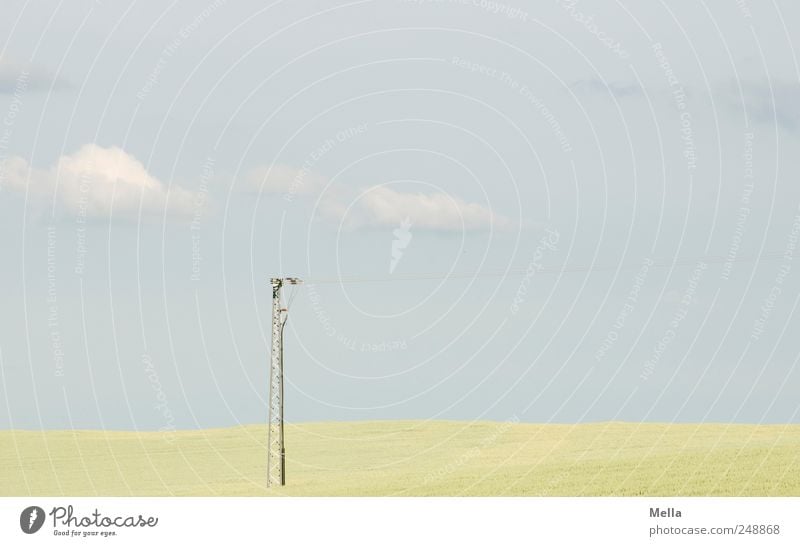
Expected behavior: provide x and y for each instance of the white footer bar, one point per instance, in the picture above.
(401, 521)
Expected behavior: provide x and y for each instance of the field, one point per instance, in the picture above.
(442, 458)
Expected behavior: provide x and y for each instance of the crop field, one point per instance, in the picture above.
(443, 458)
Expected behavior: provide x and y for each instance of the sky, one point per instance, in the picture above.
(562, 212)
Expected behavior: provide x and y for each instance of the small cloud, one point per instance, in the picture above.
(777, 103)
(19, 78)
(374, 207)
(98, 182)
(381, 206)
(619, 90)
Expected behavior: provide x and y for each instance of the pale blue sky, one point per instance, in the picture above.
(160, 161)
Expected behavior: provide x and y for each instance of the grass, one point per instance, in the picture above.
(411, 458)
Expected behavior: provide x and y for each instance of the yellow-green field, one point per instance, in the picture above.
(411, 458)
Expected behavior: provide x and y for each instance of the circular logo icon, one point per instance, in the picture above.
(31, 519)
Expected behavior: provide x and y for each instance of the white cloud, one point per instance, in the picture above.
(381, 206)
(376, 206)
(98, 182)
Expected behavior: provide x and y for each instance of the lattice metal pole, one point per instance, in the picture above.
(276, 449)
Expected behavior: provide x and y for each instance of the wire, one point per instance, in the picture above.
(560, 269)
(292, 296)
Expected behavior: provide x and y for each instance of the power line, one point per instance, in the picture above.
(547, 270)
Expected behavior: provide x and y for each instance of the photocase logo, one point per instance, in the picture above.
(31, 519)
(402, 238)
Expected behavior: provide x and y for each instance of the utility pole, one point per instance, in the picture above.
(276, 450)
